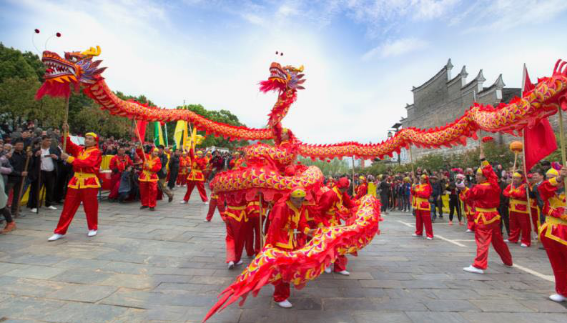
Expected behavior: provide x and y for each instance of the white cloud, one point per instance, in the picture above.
(431, 9)
(396, 48)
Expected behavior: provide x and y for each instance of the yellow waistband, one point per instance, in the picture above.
(519, 202)
(479, 209)
(84, 175)
(421, 199)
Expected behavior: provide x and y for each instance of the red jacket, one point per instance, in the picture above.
(286, 221)
(361, 191)
(485, 197)
(518, 198)
(86, 164)
(151, 166)
(120, 163)
(421, 194)
(198, 165)
(555, 226)
(334, 205)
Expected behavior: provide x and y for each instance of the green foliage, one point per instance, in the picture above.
(335, 167)
(91, 118)
(223, 116)
(14, 64)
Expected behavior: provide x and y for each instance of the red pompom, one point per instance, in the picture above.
(328, 160)
(487, 139)
(36, 31)
(281, 54)
(277, 53)
(58, 34)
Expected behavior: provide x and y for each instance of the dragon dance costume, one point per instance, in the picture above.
(82, 188)
(485, 197)
(196, 177)
(519, 212)
(421, 194)
(148, 178)
(553, 234)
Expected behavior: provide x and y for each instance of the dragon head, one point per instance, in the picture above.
(283, 78)
(76, 68)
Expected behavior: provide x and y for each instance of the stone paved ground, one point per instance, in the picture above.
(168, 266)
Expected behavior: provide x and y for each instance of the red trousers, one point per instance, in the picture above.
(200, 187)
(470, 221)
(520, 222)
(181, 179)
(148, 193)
(114, 186)
(484, 234)
(281, 292)
(73, 199)
(557, 253)
(212, 206)
(423, 219)
(340, 264)
(235, 235)
(253, 235)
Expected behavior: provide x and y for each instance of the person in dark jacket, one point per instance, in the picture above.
(162, 174)
(43, 173)
(504, 204)
(174, 161)
(436, 202)
(18, 162)
(454, 202)
(384, 193)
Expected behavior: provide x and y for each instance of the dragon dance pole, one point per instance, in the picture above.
(261, 222)
(353, 190)
(140, 139)
(562, 136)
(65, 120)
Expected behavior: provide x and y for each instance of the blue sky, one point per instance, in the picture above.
(361, 57)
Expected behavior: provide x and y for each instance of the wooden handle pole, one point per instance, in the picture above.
(65, 121)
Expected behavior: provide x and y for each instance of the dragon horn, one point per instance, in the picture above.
(92, 51)
(301, 68)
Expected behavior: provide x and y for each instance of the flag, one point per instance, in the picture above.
(539, 140)
(178, 134)
(158, 134)
(141, 130)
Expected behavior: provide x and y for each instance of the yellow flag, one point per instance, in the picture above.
(178, 134)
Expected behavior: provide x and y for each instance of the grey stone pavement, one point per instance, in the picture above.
(168, 266)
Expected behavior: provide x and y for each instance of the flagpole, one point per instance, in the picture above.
(524, 166)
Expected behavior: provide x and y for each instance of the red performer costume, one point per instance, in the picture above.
(183, 165)
(149, 178)
(84, 185)
(287, 221)
(235, 220)
(236, 162)
(253, 233)
(196, 177)
(216, 202)
(118, 164)
(534, 209)
(519, 211)
(486, 198)
(469, 209)
(553, 233)
(362, 189)
(421, 193)
(334, 205)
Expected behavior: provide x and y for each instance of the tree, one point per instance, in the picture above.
(334, 167)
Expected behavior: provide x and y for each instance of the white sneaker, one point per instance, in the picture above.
(56, 237)
(506, 240)
(231, 265)
(416, 235)
(207, 220)
(473, 269)
(558, 298)
(285, 304)
(469, 231)
(429, 238)
(91, 233)
(239, 262)
(34, 210)
(51, 207)
(523, 245)
(344, 273)
(328, 270)
(183, 202)
(207, 203)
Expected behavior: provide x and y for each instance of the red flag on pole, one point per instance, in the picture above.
(141, 129)
(539, 140)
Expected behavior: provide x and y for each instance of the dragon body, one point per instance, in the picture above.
(273, 171)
